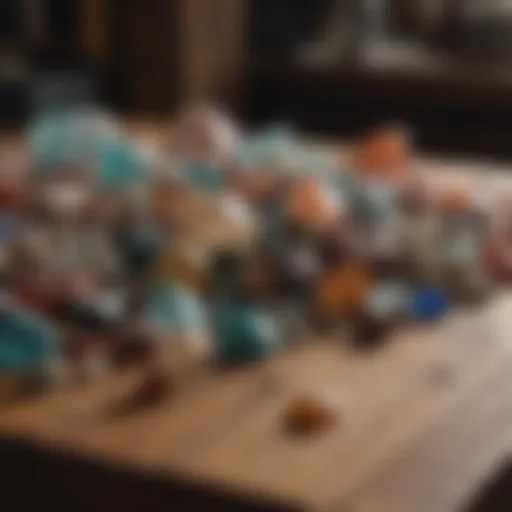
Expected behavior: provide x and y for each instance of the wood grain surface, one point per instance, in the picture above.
(422, 421)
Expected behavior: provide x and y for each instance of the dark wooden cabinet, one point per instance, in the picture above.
(145, 55)
(165, 52)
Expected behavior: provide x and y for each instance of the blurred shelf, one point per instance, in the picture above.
(456, 106)
(491, 83)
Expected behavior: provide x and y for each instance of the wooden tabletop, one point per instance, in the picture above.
(423, 420)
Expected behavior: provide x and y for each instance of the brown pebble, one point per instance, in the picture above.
(310, 414)
(153, 390)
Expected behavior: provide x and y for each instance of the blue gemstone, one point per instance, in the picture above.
(371, 203)
(61, 137)
(174, 307)
(273, 143)
(26, 340)
(118, 164)
(204, 176)
(428, 303)
(242, 333)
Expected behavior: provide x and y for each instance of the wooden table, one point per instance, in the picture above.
(425, 419)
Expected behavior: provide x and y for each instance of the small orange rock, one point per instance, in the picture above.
(310, 414)
(341, 291)
(384, 153)
(153, 390)
(311, 204)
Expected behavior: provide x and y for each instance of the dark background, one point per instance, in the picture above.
(147, 58)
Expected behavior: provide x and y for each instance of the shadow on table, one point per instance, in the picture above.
(496, 493)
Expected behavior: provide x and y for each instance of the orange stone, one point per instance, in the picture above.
(174, 265)
(309, 203)
(384, 153)
(342, 290)
(311, 414)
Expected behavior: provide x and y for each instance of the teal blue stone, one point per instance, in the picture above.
(60, 137)
(204, 176)
(372, 203)
(118, 164)
(273, 143)
(311, 162)
(248, 152)
(26, 341)
(75, 137)
(173, 308)
(278, 136)
(242, 333)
